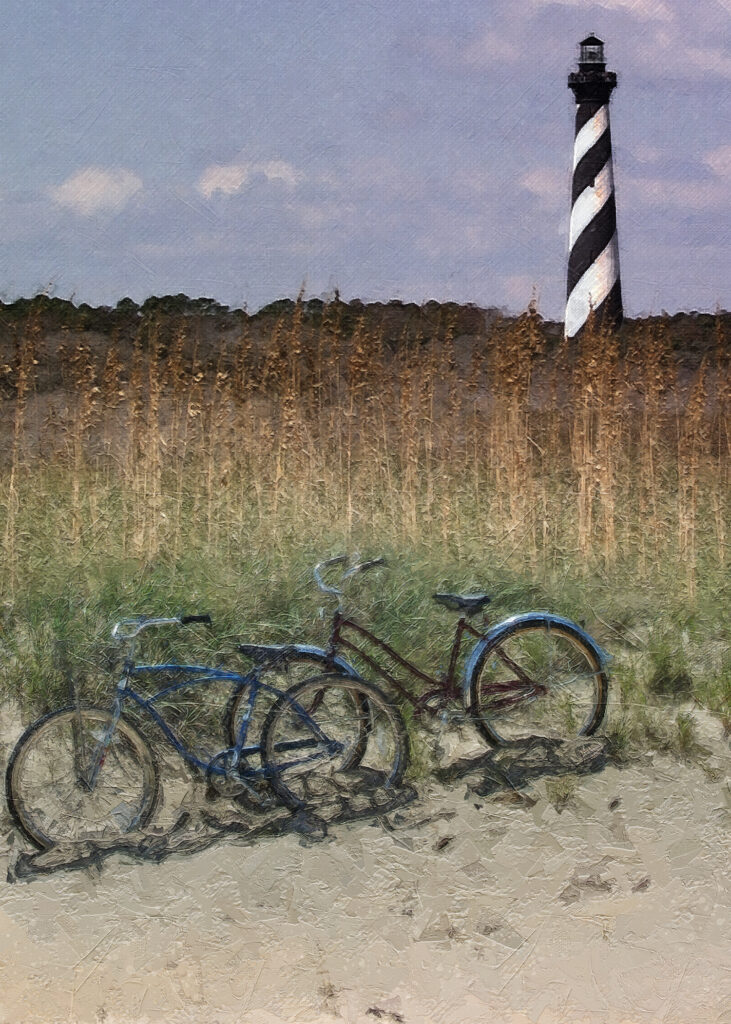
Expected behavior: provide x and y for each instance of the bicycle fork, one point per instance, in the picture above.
(88, 767)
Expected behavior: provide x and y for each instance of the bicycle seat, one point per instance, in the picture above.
(468, 603)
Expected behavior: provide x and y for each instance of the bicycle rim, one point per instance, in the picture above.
(281, 676)
(350, 743)
(540, 680)
(47, 781)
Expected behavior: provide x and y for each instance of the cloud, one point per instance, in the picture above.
(686, 195)
(382, 178)
(719, 160)
(548, 185)
(278, 170)
(223, 179)
(647, 10)
(231, 178)
(486, 50)
(324, 214)
(698, 61)
(94, 189)
(705, 61)
(490, 48)
(691, 195)
(645, 153)
(686, 49)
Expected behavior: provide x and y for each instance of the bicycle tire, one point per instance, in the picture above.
(281, 675)
(46, 795)
(557, 656)
(359, 716)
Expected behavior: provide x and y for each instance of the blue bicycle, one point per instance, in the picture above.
(85, 772)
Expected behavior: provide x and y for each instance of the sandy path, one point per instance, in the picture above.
(491, 910)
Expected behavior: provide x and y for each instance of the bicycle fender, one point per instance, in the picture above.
(504, 628)
(320, 654)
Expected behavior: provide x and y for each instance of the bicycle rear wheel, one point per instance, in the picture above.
(333, 737)
(539, 678)
(49, 783)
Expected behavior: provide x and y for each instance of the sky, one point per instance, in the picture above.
(387, 149)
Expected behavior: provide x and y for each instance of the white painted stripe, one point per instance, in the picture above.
(590, 133)
(592, 288)
(590, 202)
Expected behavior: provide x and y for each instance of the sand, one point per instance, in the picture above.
(473, 903)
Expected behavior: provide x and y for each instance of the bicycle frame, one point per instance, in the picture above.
(205, 675)
(447, 690)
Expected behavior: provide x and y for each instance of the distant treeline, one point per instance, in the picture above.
(689, 333)
(62, 313)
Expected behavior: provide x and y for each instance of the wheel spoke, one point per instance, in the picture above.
(542, 680)
(50, 802)
(356, 737)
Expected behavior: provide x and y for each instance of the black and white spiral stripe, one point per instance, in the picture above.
(593, 275)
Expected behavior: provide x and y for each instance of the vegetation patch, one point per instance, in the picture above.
(175, 459)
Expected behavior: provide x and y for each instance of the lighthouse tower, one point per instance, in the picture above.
(593, 274)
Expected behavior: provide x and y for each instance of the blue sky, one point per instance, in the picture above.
(411, 149)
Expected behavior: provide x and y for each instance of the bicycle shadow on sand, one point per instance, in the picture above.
(513, 767)
(506, 772)
(207, 819)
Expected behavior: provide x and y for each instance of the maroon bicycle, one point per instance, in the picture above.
(533, 674)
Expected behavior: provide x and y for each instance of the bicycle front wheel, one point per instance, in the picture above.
(63, 784)
(333, 737)
(539, 678)
(281, 675)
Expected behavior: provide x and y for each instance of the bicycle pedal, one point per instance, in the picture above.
(256, 804)
(250, 794)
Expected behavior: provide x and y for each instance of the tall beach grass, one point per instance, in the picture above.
(589, 478)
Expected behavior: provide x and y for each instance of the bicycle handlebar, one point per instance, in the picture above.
(127, 629)
(341, 560)
(362, 566)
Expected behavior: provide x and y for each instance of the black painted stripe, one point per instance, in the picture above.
(591, 243)
(590, 164)
(609, 312)
(584, 113)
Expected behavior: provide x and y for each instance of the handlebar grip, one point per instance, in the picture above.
(374, 561)
(362, 566)
(185, 619)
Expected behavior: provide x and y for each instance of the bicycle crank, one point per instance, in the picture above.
(227, 781)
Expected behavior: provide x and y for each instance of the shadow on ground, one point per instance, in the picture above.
(507, 770)
(205, 822)
(512, 767)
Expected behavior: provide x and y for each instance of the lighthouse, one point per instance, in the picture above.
(593, 273)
